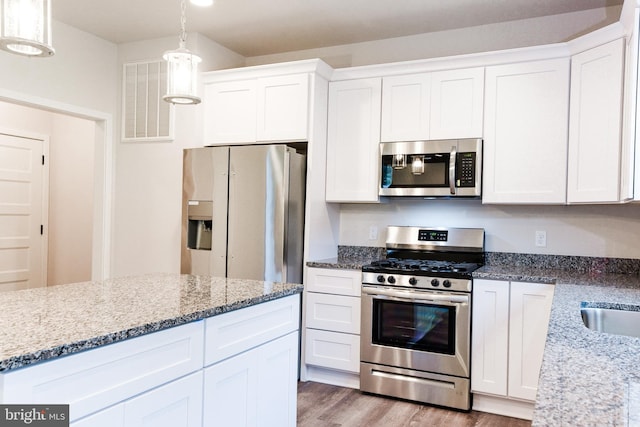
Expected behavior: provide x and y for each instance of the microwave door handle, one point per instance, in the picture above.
(452, 170)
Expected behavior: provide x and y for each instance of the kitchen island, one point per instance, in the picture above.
(164, 345)
(587, 378)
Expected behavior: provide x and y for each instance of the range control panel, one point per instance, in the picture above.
(433, 235)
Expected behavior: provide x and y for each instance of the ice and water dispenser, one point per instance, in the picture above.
(200, 224)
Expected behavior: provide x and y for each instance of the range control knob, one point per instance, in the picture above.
(435, 282)
(413, 281)
(391, 279)
(446, 283)
(380, 279)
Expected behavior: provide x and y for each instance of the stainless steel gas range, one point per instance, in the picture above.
(416, 315)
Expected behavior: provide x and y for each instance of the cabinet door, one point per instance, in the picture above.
(595, 124)
(457, 98)
(257, 387)
(283, 105)
(490, 336)
(277, 382)
(231, 391)
(111, 417)
(177, 404)
(353, 164)
(530, 308)
(405, 107)
(526, 128)
(230, 112)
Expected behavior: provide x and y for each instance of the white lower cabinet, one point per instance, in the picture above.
(255, 388)
(510, 322)
(234, 369)
(332, 327)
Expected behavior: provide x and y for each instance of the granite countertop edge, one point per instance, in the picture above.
(87, 343)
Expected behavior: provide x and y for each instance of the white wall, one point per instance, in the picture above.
(71, 191)
(71, 187)
(82, 72)
(594, 230)
(80, 79)
(148, 184)
(507, 35)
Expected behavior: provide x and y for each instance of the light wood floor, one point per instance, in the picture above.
(323, 405)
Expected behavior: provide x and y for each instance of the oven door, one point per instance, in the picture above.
(415, 329)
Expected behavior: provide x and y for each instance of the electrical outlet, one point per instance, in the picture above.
(373, 233)
(541, 239)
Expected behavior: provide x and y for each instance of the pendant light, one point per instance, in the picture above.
(25, 27)
(182, 69)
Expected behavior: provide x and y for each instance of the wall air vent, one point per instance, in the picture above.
(145, 116)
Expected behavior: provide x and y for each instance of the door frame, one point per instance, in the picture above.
(103, 178)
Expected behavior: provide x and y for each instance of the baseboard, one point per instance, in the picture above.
(503, 406)
(331, 376)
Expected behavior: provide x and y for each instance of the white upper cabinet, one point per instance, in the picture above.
(230, 112)
(265, 109)
(437, 105)
(283, 108)
(405, 107)
(353, 139)
(596, 124)
(457, 98)
(525, 132)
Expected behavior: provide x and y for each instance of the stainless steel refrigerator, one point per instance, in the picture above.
(243, 212)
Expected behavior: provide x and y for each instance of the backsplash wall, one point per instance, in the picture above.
(593, 230)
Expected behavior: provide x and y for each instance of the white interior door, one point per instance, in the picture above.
(22, 212)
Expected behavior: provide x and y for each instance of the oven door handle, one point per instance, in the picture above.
(416, 295)
(452, 169)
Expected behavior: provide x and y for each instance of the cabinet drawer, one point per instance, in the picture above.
(94, 379)
(333, 350)
(331, 281)
(232, 333)
(333, 312)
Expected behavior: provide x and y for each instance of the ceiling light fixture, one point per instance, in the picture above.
(182, 69)
(25, 27)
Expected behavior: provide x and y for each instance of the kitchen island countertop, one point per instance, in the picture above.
(44, 323)
(587, 378)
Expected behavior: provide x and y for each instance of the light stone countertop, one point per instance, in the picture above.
(587, 378)
(43, 323)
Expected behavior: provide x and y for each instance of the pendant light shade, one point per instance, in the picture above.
(182, 76)
(25, 27)
(182, 70)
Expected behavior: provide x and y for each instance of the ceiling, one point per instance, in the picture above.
(261, 27)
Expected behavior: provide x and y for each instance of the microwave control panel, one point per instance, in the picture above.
(466, 170)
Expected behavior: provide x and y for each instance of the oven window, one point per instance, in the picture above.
(411, 325)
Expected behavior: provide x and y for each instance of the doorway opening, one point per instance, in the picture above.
(76, 222)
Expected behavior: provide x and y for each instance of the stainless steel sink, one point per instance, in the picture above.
(621, 320)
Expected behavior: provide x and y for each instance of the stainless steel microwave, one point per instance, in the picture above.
(445, 168)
